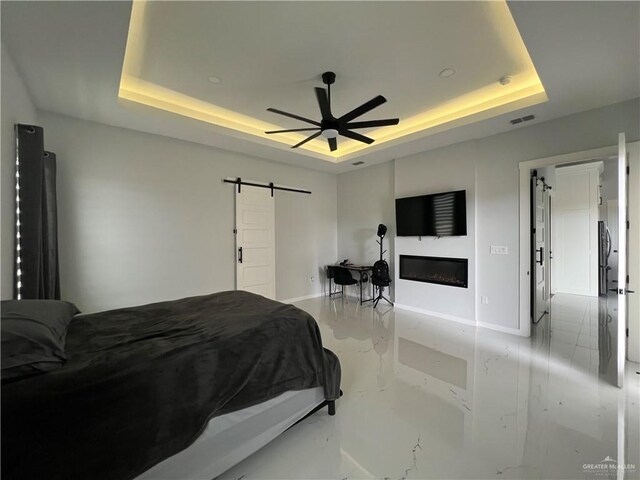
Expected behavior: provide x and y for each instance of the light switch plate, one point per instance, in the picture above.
(499, 250)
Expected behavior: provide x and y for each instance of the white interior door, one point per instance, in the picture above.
(540, 257)
(622, 257)
(255, 241)
(575, 251)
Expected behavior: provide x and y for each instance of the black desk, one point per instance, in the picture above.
(361, 269)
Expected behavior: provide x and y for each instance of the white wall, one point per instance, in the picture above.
(17, 107)
(443, 170)
(145, 218)
(365, 199)
(496, 161)
(609, 181)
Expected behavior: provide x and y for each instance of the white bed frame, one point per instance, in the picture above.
(230, 438)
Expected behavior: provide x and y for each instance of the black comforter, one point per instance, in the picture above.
(141, 383)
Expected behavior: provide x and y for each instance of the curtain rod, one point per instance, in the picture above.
(238, 181)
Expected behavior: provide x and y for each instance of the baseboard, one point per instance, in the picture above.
(444, 316)
(500, 328)
(465, 321)
(299, 299)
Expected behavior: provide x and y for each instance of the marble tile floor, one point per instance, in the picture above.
(430, 398)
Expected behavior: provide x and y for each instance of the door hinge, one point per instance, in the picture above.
(627, 332)
(627, 224)
(627, 169)
(627, 278)
(235, 231)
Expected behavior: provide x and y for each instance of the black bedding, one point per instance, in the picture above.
(141, 383)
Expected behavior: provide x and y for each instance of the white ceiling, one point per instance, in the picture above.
(587, 55)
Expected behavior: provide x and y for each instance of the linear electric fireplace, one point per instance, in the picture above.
(440, 270)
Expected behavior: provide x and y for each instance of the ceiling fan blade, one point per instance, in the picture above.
(306, 140)
(373, 123)
(291, 115)
(356, 136)
(333, 144)
(323, 103)
(294, 130)
(362, 109)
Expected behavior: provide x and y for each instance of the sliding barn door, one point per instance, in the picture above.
(255, 241)
(540, 249)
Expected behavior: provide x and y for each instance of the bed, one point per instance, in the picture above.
(179, 389)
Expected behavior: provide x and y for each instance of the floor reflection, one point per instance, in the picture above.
(428, 398)
(581, 332)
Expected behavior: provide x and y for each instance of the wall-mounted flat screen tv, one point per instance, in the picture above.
(437, 215)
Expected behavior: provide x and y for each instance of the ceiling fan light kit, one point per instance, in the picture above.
(331, 127)
(330, 133)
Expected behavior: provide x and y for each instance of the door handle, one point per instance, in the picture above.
(621, 291)
(541, 252)
(240, 255)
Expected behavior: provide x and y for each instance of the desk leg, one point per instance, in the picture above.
(362, 300)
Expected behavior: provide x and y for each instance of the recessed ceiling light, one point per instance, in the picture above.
(447, 72)
(215, 80)
(506, 80)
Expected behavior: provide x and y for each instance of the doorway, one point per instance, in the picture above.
(624, 286)
(580, 317)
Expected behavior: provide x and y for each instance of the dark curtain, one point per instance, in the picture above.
(36, 262)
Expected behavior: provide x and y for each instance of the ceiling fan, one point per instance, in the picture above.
(330, 127)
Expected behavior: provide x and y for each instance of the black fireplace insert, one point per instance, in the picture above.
(440, 270)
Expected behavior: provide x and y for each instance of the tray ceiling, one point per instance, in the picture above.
(271, 54)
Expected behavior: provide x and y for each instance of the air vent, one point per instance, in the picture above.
(526, 118)
(358, 163)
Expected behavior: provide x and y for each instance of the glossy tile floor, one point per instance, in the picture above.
(428, 398)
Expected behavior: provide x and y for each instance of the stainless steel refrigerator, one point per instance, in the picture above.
(604, 251)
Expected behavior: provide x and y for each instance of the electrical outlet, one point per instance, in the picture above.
(499, 250)
(484, 300)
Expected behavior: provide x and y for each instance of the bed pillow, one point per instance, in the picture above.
(33, 336)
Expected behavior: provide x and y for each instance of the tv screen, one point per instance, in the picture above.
(437, 215)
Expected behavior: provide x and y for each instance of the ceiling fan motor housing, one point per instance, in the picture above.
(328, 78)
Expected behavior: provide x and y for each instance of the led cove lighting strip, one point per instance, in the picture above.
(18, 258)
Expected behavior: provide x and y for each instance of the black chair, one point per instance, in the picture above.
(330, 275)
(341, 276)
(381, 279)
